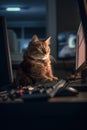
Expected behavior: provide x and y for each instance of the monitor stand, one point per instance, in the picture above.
(81, 85)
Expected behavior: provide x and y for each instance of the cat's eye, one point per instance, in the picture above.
(43, 48)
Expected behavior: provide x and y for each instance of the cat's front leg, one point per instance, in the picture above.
(50, 75)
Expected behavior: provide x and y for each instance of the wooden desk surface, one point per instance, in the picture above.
(57, 113)
(53, 106)
(81, 97)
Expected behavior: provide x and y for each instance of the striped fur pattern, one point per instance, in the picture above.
(36, 64)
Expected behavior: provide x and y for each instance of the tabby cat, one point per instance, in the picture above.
(36, 64)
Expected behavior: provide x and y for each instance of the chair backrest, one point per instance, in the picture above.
(13, 42)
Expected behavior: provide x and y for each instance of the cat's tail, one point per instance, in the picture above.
(22, 79)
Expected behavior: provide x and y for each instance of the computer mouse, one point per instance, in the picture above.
(68, 91)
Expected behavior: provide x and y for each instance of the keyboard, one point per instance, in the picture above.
(42, 91)
(38, 92)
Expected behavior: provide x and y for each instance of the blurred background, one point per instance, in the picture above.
(59, 19)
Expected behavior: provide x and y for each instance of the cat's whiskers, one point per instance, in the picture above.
(39, 57)
(45, 57)
(42, 57)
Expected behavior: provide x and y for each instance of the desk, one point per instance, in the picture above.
(56, 113)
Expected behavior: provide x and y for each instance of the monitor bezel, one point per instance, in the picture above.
(6, 65)
(77, 49)
(83, 16)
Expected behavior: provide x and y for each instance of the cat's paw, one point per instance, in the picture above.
(47, 79)
(55, 78)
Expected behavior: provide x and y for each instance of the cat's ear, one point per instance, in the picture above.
(48, 40)
(35, 38)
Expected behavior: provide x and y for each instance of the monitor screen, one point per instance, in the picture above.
(66, 45)
(6, 76)
(80, 49)
(81, 44)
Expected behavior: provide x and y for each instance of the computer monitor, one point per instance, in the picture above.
(81, 49)
(66, 45)
(6, 75)
(81, 44)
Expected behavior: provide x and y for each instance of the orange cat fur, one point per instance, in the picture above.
(36, 64)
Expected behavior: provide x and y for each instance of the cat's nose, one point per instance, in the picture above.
(44, 50)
